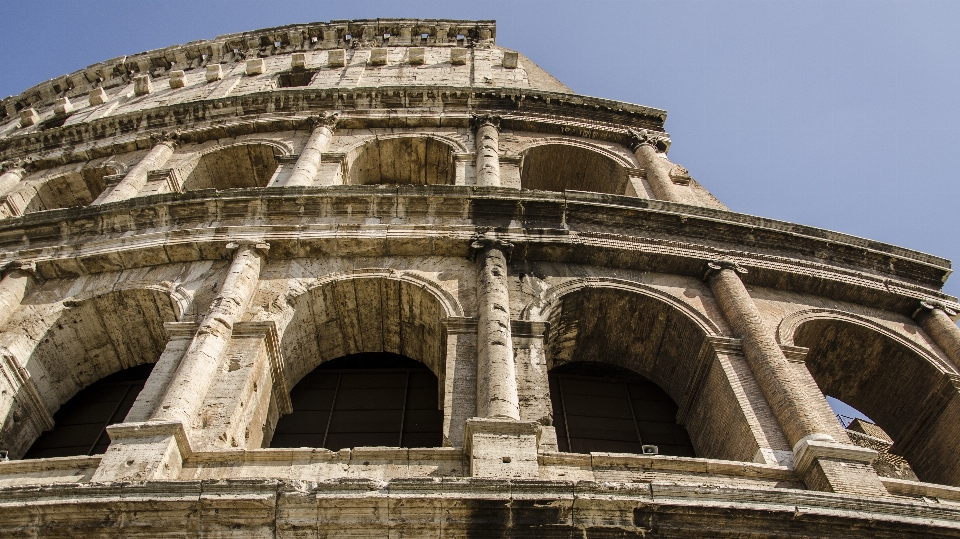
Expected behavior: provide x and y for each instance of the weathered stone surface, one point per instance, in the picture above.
(427, 193)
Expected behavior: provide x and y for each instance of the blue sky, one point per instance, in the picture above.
(841, 115)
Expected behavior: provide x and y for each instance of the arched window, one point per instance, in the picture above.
(234, 167)
(556, 167)
(363, 400)
(81, 423)
(599, 407)
(75, 189)
(403, 161)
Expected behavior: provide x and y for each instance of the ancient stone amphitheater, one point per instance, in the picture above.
(383, 278)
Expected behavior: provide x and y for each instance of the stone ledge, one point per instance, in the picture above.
(671, 464)
(120, 432)
(48, 464)
(808, 451)
(904, 487)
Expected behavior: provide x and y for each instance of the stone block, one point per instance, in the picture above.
(336, 58)
(177, 79)
(298, 60)
(416, 55)
(28, 117)
(458, 56)
(510, 59)
(254, 66)
(214, 72)
(378, 57)
(97, 96)
(63, 106)
(142, 85)
(502, 449)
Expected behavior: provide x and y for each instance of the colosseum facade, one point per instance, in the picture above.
(384, 278)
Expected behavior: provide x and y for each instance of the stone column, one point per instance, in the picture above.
(10, 177)
(648, 147)
(487, 129)
(819, 459)
(934, 318)
(136, 178)
(200, 362)
(496, 374)
(305, 171)
(17, 279)
(156, 448)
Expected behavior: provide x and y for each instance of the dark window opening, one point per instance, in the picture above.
(81, 423)
(602, 408)
(363, 400)
(296, 77)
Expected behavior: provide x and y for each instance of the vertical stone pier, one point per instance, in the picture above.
(822, 462)
(155, 449)
(136, 178)
(499, 444)
(18, 277)
(650, 147)
(308, 165)
(10, 177)
(487, 130)
(934, 318)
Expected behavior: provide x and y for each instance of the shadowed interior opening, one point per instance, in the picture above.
(599, 407)
(81, 423)
(556, 167)
(234, 167)
(363, 400)
(403, 161)
(72, 190)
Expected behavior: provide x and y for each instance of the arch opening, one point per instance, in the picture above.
(903, 392)
(403, 161)
(83, 343)
(234, 167)
(558, 167)
(673, 371)
(351, 321)
(363, 400)
(72, 190)
(81, 423)
(599, 407)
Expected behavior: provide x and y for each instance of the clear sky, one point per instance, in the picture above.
(838, 114)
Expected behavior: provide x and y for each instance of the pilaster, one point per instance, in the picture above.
(487, 129)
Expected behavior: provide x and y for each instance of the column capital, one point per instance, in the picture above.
(480, 120)
(28, 267)
(168, 138)
(642, 137)
(714, 266)
(928, 305)
(260, 247)
(324, 120)
(488, 240)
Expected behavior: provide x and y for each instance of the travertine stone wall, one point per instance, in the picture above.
(241, 210)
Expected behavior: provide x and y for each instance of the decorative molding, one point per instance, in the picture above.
(20, 380)
(529, 328)
(481, 242)
(170, 177)
(120, 432)
(723, 264)
(680, 175)
(267, 330)
(481, 120)
(458, 325)
(643, 137)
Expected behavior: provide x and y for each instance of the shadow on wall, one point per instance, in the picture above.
(556, 167)
(403, 161)
(234, 167)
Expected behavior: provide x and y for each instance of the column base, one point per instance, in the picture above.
(145, 451)
(502, 448)
(829, 466)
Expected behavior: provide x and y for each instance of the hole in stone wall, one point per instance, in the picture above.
(82, 421)
(424, 38)
(370, 399)
(403, 161)
(296, 77)
(599, 407)
(558, 167)
(233, 167)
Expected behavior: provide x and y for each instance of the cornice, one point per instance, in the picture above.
(641, 234)
(526, 109)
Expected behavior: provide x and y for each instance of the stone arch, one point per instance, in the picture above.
(910, 393)
(567, 164)
(654, 335)
(76, 188)
(539, 309)
(250, 163)
(414, 159)
(83, 341)
(342, 315)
